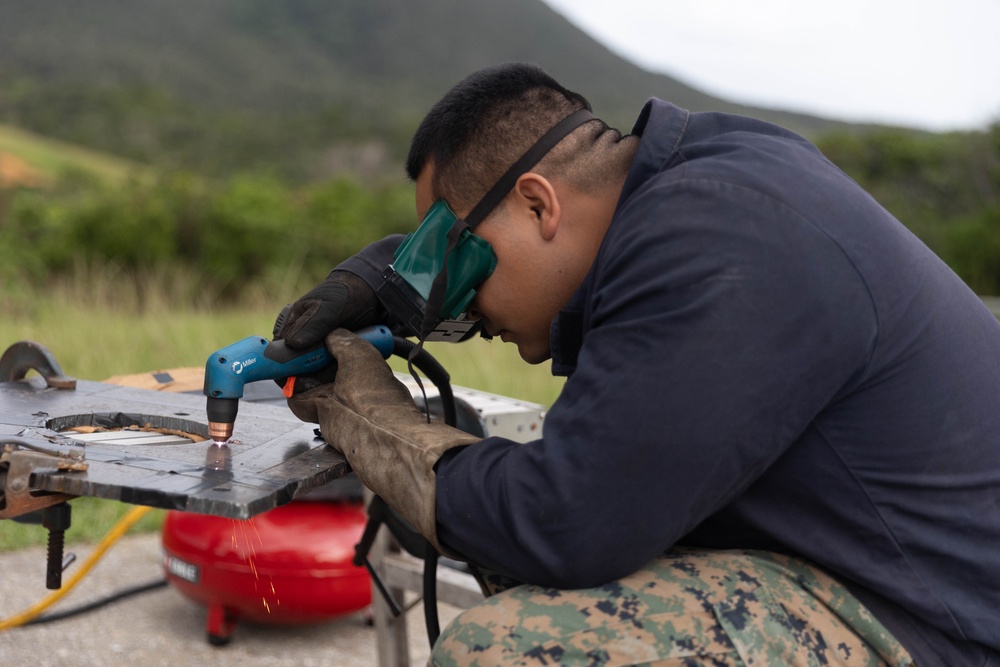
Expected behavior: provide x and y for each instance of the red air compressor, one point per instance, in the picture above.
(289, 565)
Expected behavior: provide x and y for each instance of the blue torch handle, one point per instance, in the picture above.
(256, 358)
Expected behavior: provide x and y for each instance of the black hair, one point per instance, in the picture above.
(483, 124)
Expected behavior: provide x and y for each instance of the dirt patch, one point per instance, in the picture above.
(15, 172)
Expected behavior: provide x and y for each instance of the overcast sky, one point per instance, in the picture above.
(920, 63)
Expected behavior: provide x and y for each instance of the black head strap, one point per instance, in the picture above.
(530, 158)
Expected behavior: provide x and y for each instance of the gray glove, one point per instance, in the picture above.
(369, 416)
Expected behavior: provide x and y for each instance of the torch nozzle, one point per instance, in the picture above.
(220, 432)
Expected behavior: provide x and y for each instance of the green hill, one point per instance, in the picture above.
(42, 160)
(304, 86)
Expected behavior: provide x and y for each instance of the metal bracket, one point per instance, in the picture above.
(25, 356)
(20, 458)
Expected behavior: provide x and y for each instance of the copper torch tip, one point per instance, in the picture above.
(220, 432)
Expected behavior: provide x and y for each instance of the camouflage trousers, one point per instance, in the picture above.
(686, 608)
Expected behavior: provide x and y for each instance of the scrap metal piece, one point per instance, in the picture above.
(27, 355)
(131, 436)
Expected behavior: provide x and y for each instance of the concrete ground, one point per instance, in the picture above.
(162, 628)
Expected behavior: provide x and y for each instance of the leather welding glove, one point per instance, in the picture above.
(370, 417)
(342, 300)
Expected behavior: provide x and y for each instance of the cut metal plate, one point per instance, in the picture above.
(159, 454)
(276, 457)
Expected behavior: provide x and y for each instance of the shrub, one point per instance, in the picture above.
(232, 236)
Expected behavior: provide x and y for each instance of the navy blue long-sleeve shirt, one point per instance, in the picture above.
(760, 357)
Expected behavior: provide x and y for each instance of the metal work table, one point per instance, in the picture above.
(276, 456)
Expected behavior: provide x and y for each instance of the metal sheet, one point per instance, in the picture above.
(277, 457)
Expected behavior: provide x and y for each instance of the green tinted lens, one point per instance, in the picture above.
(421, 256)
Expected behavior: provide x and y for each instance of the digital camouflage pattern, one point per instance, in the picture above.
(687, 608)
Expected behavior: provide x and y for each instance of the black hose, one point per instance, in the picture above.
(96, 604)
(430, 595)
(434, 371)
(416, 355)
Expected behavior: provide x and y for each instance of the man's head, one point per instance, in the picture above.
(547, 229)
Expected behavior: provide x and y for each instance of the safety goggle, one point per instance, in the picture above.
(436, 269)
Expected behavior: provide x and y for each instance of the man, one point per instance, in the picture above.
(779, 437)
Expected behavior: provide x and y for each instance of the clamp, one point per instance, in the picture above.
(20, 458)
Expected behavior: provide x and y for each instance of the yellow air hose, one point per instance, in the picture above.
(109, 539)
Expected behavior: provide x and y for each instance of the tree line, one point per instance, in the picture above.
(253, 227)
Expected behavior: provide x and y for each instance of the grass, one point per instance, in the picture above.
(91, 518)
(101, 323)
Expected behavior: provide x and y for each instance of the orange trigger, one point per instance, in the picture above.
(289, 387)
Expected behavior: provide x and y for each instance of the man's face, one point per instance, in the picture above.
(516, 303)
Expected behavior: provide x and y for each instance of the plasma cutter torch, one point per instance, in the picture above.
(255, 358)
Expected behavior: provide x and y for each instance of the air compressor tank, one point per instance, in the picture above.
(289, 565)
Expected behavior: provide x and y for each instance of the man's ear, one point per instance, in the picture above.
(539, 197)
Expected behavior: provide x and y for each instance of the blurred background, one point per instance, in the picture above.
(172, 172)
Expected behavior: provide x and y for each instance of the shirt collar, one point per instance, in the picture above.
(664, 123)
